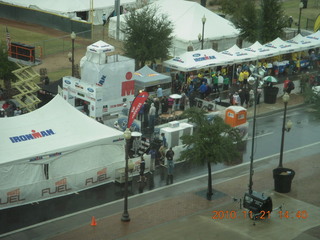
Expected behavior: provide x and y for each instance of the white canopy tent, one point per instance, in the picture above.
(70, 8)
(240, 55)
(199, 59)
(283, 47)
(262, 51)
(186, 17)
(305, 43)
(53, 151)
(185, 62)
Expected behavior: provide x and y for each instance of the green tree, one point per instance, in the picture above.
(148, 35)
(213, 141)
(261, 22)
(6, 68)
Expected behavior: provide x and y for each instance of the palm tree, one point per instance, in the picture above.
(213, 141)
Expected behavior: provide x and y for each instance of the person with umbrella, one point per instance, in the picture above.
(270, 80)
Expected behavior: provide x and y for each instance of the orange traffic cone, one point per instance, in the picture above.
(93, 221)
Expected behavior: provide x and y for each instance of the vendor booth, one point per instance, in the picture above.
(56, 150)
(147, 79)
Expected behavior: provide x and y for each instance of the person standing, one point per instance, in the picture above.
(183, 101)
(104, 19)
(203, 89)
(170, 165)
(236, 99)
(215, 81)
(152, 116)
(125, 110)
(159, 92)
(157, 106)
(225, 83)
(142, 169)
(152, 153)
(164, 140)
(170, 104)
(288, 85)
(164, 105)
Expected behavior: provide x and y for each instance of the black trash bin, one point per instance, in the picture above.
(282, 179)
(270, 94)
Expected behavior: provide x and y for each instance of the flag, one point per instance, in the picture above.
(8, 39)
(135, 107)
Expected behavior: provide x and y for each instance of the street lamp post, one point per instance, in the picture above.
(125, 215)
(73, 37)
(252, 80)
(285, 127)
(254, 201)
(201, 37)
(300, 10)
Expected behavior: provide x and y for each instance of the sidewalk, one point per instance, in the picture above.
(181, 211)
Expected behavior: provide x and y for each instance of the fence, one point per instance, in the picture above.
(83, 39)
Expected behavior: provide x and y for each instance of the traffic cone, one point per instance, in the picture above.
(93, 221)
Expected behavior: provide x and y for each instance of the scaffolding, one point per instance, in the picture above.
(26, 85)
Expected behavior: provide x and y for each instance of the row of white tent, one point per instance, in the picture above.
(207, 58)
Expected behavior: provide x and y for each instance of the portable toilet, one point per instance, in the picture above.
(235, 116)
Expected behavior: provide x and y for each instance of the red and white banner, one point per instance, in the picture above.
(136, 106)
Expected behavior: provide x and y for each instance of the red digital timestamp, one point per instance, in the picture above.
(260, 215)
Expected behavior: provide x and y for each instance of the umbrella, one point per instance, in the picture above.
(270, 79)
(175, 96)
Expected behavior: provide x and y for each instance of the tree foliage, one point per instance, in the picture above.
(6, 68)
(148, 35)
(212, 141)
(261, 22)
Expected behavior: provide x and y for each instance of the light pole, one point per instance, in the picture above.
(251, 81)
(73, 37)
(285, 127)
(300, 10)
(125, 215)
(254, 80)
(201, 37)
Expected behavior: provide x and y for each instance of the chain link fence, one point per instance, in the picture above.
(63, 44)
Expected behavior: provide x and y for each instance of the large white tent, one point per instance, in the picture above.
(186, 17)
(70, 8)
(53, 151)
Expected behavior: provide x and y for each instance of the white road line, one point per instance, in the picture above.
(262, 135)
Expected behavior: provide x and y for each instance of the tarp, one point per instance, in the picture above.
(147, 77)
(55, 150)
(199, 59)
(186, 17)
(69, 8)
